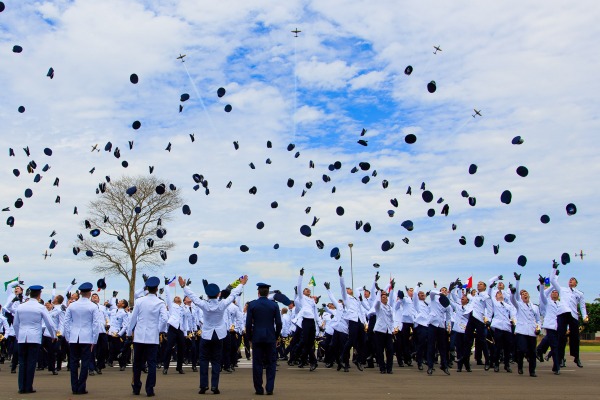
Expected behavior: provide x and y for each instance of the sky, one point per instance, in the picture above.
(529, 68)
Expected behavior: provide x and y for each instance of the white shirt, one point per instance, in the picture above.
(384, 313)
(28, 322)
(353, 310)
(81, 322)
(147, 318)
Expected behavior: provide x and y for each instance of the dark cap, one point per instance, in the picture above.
(410, 138)
(305, 230)
(571, 209)
(339, 211)
(444, 301)
(153, 282)
(36, 287)
(565, 258)
(101, 283)
(212, 290)
(427, 196)
(522, 171)
(462, 240)
(431, 87)
(408, 70)
(262, 285)
(506, 197)
(387, 245)
(522, 260)
(86, 287)
(509, 238)
(544, 219)
(244, 248)
(472, 169)
(479, 241)
(193, 259)
(335, 253)
(408, 225)
(517, 140)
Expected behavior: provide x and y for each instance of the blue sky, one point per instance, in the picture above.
(530, 69)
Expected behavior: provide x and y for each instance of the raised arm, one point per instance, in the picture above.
(343, 285)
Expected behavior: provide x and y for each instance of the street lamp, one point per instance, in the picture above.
(351, 269)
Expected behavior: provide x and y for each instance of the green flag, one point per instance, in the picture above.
(312, 282)
(9, 282)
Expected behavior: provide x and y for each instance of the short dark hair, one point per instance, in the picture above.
(263, 291)
(34, 293)
(125, 302)
(153, 290)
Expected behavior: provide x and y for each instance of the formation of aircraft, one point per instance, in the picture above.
(296, 32)
(437, 48)
(477, 112)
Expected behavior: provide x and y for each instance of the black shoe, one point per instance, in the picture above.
(91, 373)
(429, 371)
(520, 371)
(13, 371)
(301, 365)
(135, 392)
(181, 371)
(151, 394)
(486, 367)
(497, 368)
(122, 369)
(390, 372)
(533, 375)
(409, 363)
(328, 365)
(479, 362)
(563, 364)
(382, 371)
(269, 393)
(539, 356)
(445, 370)
(400, 364)
(203, 390)
(290, 363)
(508, 369)
(468, 368)
(459, 369)
(346, 369)
(194, 369)
(578, 363)
(313, 366)
(359, 366)
(165, 371)
(420, 366)
(215, 390)
(556, 372)
(259, 393)
(339, 366)
(99, 371)
(145, 370)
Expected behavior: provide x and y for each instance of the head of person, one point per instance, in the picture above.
(246, 307)
(49, 306)
(410, 292)
(331, 306)
(95, 298)
(573, 282)
(35, 294)
(464, 300)
(74, 296)
(554, 295)
(350, 291)
(501, 286)
(187, 301)
(421, 295)
(58, 299)
(291, 305)
(284, 310)
(384, 297)
(306, 292)
(473, 292)
(444, 291)
(524, 296)
(263, 291)
(18, 290)
(499, 296)
(122, 303)
(177, 300)
(481, 286)
(367, 293)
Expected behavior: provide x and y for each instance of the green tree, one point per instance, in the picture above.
(128, 226)
(593, 310)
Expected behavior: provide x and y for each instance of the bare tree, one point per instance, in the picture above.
(127, 238)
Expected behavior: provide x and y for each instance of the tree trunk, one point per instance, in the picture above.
(131, 289)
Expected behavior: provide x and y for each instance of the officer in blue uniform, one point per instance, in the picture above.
(149, 314)
(28, 331)
(263, 326)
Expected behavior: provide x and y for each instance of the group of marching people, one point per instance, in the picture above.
(179, 334)
(437, 325)
(366, 326)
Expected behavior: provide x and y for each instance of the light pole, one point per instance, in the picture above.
(351, 269)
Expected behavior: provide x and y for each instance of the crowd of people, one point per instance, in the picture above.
(368, 327)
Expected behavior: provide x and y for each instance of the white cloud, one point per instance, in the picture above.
(325, 75)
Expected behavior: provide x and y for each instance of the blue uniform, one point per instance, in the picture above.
(263, 326)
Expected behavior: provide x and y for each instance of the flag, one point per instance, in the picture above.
(469, 284)
(9, 282)
(172, 282)
(312, 282)
(547, 282)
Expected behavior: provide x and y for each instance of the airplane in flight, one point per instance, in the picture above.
(477, 112)
(437, 48)
(181, 57)
(581, 254)
(296, 32)
(46, 254)
(95, 147)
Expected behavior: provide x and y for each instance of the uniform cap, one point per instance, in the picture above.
(262, 285)
(244, 248)
(408, 225)
(408, 70)
(462, 240)
(522, 171)
(472, 169)
(565, 258)
(212, 290)
(509, 238)
(101, 284)
(133, 78)
(221, 92)
(193, 259)
(36, 287)
(517, 140)
(506, 197)
(522, 260)
(339, 211)
(544, 219)
(228, 108)
(387, 245)
(410, 138)
(571, 209)
(335, 253)
(478, 241)
(427, 196)
(306, 230)
(153, 282)
(86, 287)
(431, 87)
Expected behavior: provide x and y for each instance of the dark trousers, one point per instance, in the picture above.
(191, 351)
(552, 339)
(475, 325)
(15, 353)
(526, 347)
(384, 343)
(174, 336)
(459, 344)
(98, 360)
(370, 345)
(564, 320)
(503, 343)
(142, 353)
(226, 354)
(308, 341)
(79, 352)
(264, 355)
(420, 339)
(28, 356)
(356, 334)
(210, 351)
(116, 344)
(292, 349)
(338, 341)
(437, 336)
(63, 352)
(247, 346)
(327, 348)
(48, 346)
(405, 338)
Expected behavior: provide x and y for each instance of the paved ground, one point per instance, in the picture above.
(294, 383)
